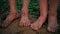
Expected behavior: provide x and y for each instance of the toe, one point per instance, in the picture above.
(51, 29)
(34, 27)
(21, 23)
(29, 24)
(5, 23)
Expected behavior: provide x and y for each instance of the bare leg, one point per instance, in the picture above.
(43, 15)
(24, 14)
(12, 15)
(52, 19)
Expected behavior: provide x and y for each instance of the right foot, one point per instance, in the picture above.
(38, 24)
(52, 25)
(24, 21)
(9, 19)
(24, 17)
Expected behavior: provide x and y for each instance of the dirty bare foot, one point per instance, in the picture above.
(9, 19)
(52, 24)
(38, 24)
(24, 21)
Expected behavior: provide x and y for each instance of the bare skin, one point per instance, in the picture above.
(24, 14)
(52, 19)
(43, 14)
(12, 15)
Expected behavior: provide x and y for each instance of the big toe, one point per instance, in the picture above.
(27, 24)
(34, 27)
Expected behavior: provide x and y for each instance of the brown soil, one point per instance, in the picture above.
(14, 28)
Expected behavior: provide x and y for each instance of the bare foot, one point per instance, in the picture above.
(38, 24)
(24, 21)
(9, 19)
(52, 24)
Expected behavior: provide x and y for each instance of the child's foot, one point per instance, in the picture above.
(9, 19)
(38, 24)
(24, 21)
(52, 24)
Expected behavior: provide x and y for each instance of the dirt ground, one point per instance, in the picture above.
(14, 28)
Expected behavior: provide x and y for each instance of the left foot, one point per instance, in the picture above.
(52, 25)
(9, 19)
(38, 24)
(24, 21)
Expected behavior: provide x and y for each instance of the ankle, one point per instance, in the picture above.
(24, 15)
(42, 19)
(14, 12)
(43, 16)
(53, 14)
